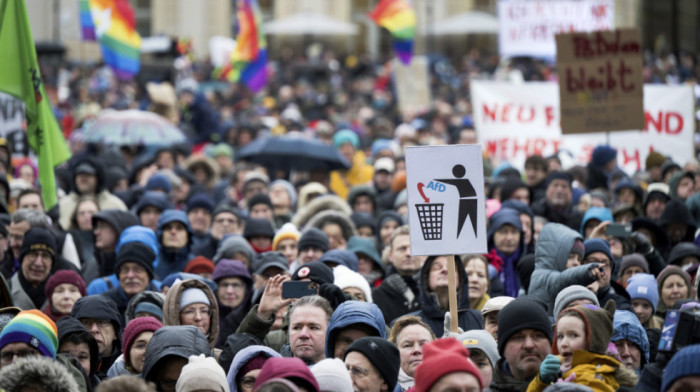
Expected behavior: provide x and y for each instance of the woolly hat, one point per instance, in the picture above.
(682, 250)
(35, 239)
(313, 237)
(193, 295)
(346, 136)
(230, 245)
(521, 313)
(340, 257)
(363, 219)
(136, 252)
(287, 231)
(673, 270)
(382, 354)
(644, 286)
(558, 175)
(33, 328)
(267, 260)
(634, 259)
(332, 375)
(225, 208)
(598, 324)
(64, 276)
(134, 329)
(200, 265)
(482, 340)
(292, 369)
(578, 248)
(291, 191)
(227, 268)
(158, 181)
(345, 277)
(597, 245)
(654, 159)
(440, 358)
(495, 304)
(602, 155)
(202, 374)
(200, 200)
(684, 363)
(258, 228)
(571, 294)
(259, 198)
(221, 149)
(316, 271)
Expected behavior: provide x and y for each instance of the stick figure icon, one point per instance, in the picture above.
(467, 196)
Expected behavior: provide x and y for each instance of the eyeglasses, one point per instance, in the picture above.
(101, 323)
(248, 383)
(139, 346)
(35, 254)
(589, 260)
(234, 285)
(359, 372)
(192, 312)
(137, 269)
(6, 357)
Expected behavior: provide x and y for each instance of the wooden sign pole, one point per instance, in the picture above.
(452, 296)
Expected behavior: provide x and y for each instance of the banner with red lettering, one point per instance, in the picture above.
(514, 121)
(527, 28)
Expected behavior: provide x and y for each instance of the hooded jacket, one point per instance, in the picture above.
(119, 220)
(353, 312)
(171, 307)
(101, 307)
(397, 295)
(626, 326)
(507, 273)
(153, 297)
(105, 200)
(181, 341)
(169, 260)
(551, 255)
(322, 203)
(242, 358)
(602, 214)
(677, 212)
(433, 315)
(231, 318)
(48, 373)
(70, 325)
(341, 219)
(359, 173)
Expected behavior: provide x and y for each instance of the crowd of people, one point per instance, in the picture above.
(173, 268)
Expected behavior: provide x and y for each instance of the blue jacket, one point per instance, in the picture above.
(626, 326)
(353, 312)
(242, 358)
(171, 261)
(600, 213)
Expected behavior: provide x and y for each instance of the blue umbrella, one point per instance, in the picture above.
(293, 153)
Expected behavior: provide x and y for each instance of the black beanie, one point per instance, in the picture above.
(259, 198)
(37, 238)
(522, 313)
(313, 237)
(383, 355)
(136, 252)
(316, 271)
(558, 175)
(258, 228)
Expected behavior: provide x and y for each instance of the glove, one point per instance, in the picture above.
(332, 293)
(549, 369)
(448, 324)
(641, 243)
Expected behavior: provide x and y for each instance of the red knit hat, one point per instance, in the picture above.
(200, 265)
(440, 358)
(132, 331)
(64, 276)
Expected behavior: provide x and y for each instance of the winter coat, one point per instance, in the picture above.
(569, 216)
(677, 212)
(6, 299)
(626, 326)
(171, 306)
(231, 318)
(551, 255)
(49, 374)
(339, 218)
(101, 307)
(360, 173)
(596, 371)
(430, 311)
(154, 297)
(397, 295)
(19, 286)
(507, 272)
(172, 260)
(254, 325)
(242, 358)
(322, 203)
(353, 312)
(118, 295)
(70, 325)
(119, 220)
(503, 381)
(602, 214)
(181, 341)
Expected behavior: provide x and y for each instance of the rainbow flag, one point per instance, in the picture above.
(115, 28)
(86, 24)
(399, 17)
(248, 63)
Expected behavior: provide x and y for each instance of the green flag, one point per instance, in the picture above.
(20, 77)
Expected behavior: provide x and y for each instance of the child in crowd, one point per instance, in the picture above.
(644, 294)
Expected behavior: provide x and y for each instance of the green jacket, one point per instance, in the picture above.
(260, 328)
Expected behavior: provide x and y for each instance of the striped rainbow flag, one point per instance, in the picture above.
(86, 24)
(114, 25)
(248, 63)
(399, 17)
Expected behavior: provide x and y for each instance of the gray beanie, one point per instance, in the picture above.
(570, 294)
(482, 340)
(232, 244)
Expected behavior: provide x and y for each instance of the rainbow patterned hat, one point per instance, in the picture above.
(33, 328)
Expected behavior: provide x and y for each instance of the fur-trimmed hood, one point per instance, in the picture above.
(37, 370)
(209, 165)
(330, 216)
(171, 306)
(321, 203)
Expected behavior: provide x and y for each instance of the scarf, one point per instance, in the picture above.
(508, 276)
(36, 294)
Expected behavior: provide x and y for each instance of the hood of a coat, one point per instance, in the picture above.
(554, 246)
(178, 340)
(242, 358)
(70, 325)
(428, 301)
(354, 312)
(171, 306)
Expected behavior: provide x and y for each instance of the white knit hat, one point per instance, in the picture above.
(193, 295)
(332, 376)
(202, 373)
(344, 277)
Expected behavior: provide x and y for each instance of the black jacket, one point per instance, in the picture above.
(120, 298)
(101, 307)
(69, 326)
(119, 220)
(178, 340)
(397, 295)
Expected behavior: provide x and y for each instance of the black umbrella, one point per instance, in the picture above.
(293, 153)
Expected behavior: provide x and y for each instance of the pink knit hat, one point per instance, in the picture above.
(133, 329)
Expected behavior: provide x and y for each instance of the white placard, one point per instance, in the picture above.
(514, 121)
(446, 199)
(527, 28)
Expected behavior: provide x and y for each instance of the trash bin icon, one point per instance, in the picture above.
(430, 217)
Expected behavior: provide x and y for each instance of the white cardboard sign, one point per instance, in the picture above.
(446, 199)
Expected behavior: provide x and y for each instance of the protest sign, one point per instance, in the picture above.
(412, 87)
(600, 81)
(514, 121)
(446, 199)
(527, 28)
